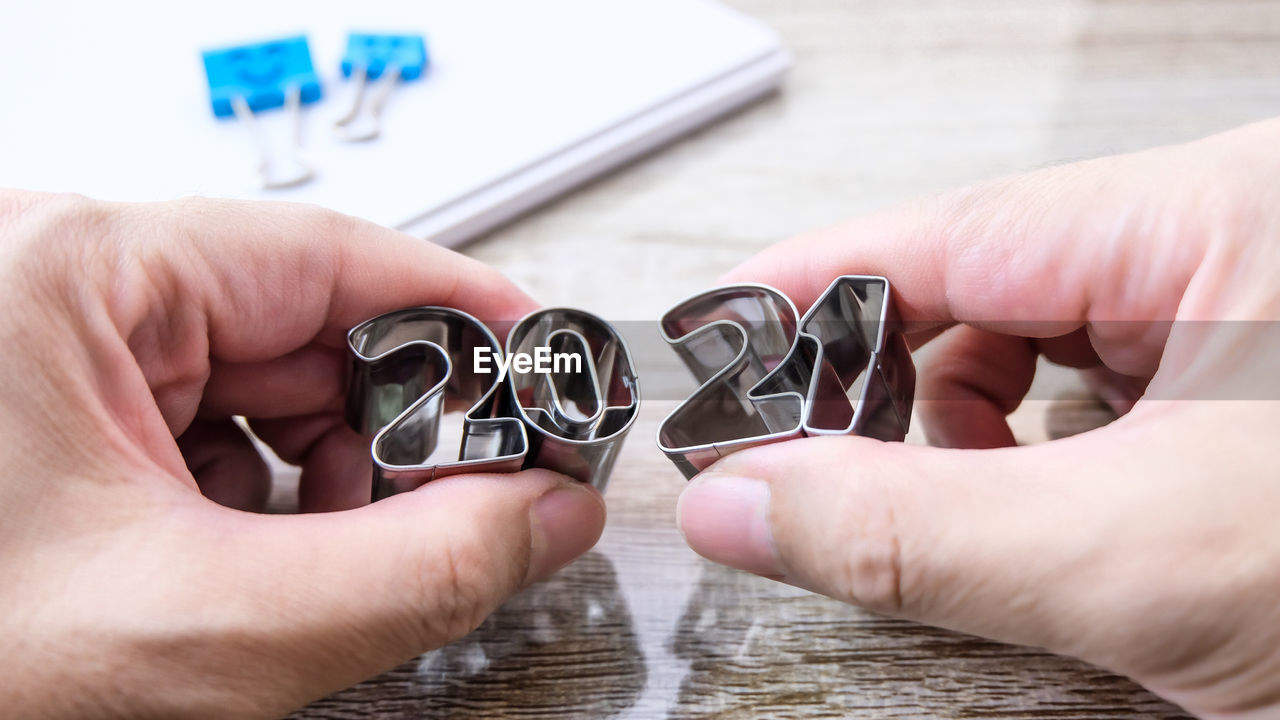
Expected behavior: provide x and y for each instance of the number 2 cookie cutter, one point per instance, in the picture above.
(767, 375)
(408, 367)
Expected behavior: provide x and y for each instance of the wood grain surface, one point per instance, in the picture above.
(887, 100)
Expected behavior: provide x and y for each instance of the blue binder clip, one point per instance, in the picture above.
(386, 58)
(247, 79)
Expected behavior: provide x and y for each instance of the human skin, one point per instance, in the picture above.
(1149, 546)
(125, 590)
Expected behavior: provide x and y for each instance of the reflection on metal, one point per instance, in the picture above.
(767, 375)
(409, 366)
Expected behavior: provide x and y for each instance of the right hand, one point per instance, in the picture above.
(1150, 546)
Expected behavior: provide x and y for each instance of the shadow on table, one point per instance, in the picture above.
(563, 648)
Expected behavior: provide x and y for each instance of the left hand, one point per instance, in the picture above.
(126, 593)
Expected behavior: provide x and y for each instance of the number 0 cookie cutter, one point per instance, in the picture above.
(767, 375)
(408, 367)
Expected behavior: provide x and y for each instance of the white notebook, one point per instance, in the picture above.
(522, 100)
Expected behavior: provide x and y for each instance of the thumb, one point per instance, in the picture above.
(338, 597)
(989, 542)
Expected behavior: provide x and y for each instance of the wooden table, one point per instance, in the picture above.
(887, 100)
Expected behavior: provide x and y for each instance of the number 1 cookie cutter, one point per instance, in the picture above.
(408, 367)
(767, 375)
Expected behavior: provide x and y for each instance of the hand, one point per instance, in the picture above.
(125, 592)
(1150, 546)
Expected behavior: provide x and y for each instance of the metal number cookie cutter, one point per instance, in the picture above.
(768, 375)
(408, 367)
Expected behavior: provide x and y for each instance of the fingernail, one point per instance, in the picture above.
(565, 523)
(726, 519)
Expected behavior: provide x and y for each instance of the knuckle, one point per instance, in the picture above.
(73, 206)
(869, 570)
(187, 222)
(325, 223)
(66, 220)
(192, 206)
(458, 589)
(55, 240)
(325, 238)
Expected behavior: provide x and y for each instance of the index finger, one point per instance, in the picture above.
(1038, 255)
(271, 277)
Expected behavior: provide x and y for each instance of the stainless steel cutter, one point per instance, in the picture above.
(409, 366)
(768, 375)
